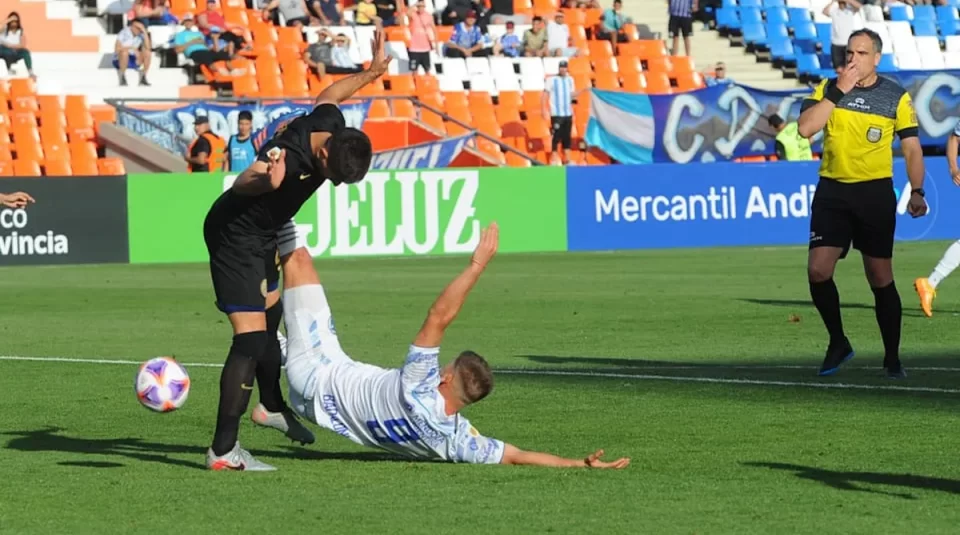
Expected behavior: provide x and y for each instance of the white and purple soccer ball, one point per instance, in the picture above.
(162, 384)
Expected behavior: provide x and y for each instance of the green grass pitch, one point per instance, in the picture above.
(687, 361)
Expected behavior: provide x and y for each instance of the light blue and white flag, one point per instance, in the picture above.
(622, 125)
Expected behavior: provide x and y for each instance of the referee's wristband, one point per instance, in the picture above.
(834, 94)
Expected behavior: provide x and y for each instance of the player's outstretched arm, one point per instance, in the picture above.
(514, 455)
(345, 88)
(262, 177)
(953, 142)
(448, 305)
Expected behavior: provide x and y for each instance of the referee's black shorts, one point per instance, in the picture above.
(562, 131)
(861, 213)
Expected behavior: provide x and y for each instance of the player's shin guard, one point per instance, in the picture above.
(268, 365)
(827, 300)
(889, 317)
(236, 384)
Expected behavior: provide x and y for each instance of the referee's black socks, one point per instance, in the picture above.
(889, 318)
(827, 300)
(236, 385)
(268, 366)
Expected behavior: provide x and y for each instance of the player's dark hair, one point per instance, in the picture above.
(474, 375)
(349, 153)
(245, 114)
(775, 120)
(874, 36)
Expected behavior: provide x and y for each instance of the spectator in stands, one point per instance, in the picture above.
(501, 12)
(206, 149)
(845, 19)
(559, 42)
(612, 23)
(681, 23)
(191, 43)
(216, 29)
(583, 4)
(13, 44)
(467, 40)
(718, 77)
(791, 146)
(387, 12)
(366, 14)
(240, 151)
(331, 55)
(329, 12)
(535, 39)
(456, 11)
(509, 44)
(423, 35)
(133, 50)
(294, 12)
(152, 13)
(557, 103)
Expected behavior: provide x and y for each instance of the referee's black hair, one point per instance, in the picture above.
(348, 156)
(874, 36)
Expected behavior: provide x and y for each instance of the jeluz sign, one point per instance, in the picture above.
(393, 213)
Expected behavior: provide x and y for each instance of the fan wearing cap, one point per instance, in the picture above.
(509, 44)
(467, 40)
(558, 104)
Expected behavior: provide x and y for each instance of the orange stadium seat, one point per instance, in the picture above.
(29, 149)
(658, 64)
(111, 166)
(532, 102)
(403, 84)
(682, 64)
(403, 108)
(658, 83)
(606, 64)
(56, 151)
(600, 49)
(634, 83)
(79, 121)
(4, 136)
(454, 100)
(57, 168)
(26, 168)
(6, 168)
(25, 104)
(629, 64)
(427, 84)
(507, 114)
(82, 151)
(245, 86)
(579, 65)
(574, 17)
(608, 81)
(84, 167)
(689, 81)
(462, 115)
(379, 109)
(5, 154)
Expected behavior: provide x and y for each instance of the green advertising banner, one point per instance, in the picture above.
(409, 212)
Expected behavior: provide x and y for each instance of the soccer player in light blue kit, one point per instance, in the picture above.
(413, 410)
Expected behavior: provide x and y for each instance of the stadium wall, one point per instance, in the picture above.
(158, 218)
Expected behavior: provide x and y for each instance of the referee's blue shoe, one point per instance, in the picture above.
(837, 354)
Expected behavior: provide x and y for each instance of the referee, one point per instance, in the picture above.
(855, 200)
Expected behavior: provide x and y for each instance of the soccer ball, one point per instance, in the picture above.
(162, 384)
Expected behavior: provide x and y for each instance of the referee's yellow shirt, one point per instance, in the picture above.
(858, 138)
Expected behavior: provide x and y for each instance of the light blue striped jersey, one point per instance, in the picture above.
(561, 90)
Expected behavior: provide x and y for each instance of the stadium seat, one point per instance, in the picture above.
(798, 16)
(6, 168)
(57, 168)
(750, 15)
(953, 43)
(924, 28)
(777, 15)
(951, 60)
(901, 12)
(887, 64)
(111, 166)
(782, 52)
(923, 12)
(26, 168)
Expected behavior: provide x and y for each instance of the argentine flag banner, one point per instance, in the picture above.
(622, 125)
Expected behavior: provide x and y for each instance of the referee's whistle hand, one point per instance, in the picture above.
(917, 206)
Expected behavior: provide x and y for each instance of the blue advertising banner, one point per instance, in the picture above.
(223, 118)
(729, 121)
(725, 204)
(432, 155)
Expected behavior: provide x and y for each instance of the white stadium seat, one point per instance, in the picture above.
(953, 43)
(482, 82)
(507, 83)
(909, 61)
(450, 83)
(455, 68)
(478, 66)
(951, 60)
(881, 29)
(501, 66)
(532, 83)
(531, 67)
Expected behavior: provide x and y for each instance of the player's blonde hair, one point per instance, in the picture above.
(473, 376)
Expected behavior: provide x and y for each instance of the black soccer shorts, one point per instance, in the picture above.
(242, 276)
(861, 213)
(680, 26)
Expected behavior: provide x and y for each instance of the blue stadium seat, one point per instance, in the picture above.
(729, 3)
(728, 19)
(808, 67)
(949, 27)
(754, 35)
(777, 15)
(924, 28)
(887, 64)
(900, 13)
(823, 34)
(750, 15)
(775, 30)
(773, 3)
(947, 13)
(782, 50)
(826, 60)
(799, 15)
(924, 13)
(750, 3)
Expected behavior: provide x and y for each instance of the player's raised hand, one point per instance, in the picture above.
(381, 60)
(277, 167)
(593, 461)
(15, 200)
(487, 248)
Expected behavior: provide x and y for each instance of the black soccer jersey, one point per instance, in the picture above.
(261, 216)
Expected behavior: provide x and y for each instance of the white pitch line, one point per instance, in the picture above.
(608, 375)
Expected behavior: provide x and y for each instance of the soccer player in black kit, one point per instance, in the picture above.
(241, 233)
